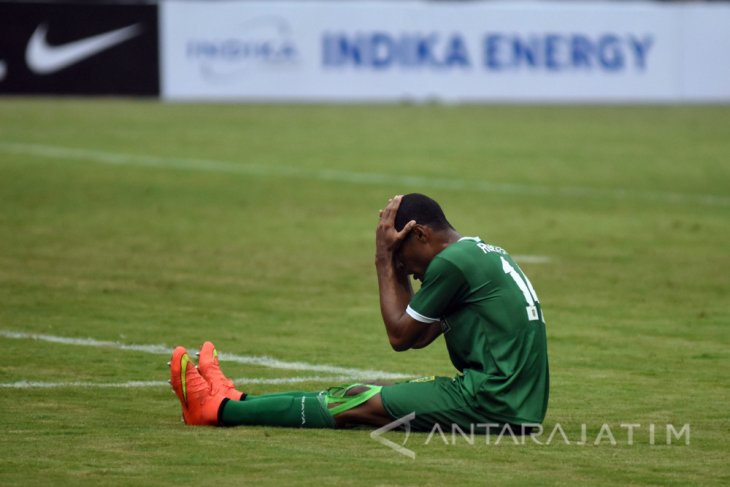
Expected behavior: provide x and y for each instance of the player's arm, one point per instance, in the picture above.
(395, 293)
(431, 332)
(395, 288)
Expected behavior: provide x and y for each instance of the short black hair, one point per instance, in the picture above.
(424, 210)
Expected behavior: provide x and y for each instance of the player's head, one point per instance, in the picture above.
(427, 238)
(422, 209)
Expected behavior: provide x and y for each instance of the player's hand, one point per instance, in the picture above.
(387, 238)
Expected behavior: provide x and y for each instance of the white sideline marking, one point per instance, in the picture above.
(260, 360)
(117, 158)
(27, 384)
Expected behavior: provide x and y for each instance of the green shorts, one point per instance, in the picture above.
(441, 400)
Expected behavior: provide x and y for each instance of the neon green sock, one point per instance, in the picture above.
(294, 410)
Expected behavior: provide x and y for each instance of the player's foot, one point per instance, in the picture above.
(211, 371)
(199, 402)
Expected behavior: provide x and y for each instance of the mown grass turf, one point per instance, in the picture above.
(631, 205)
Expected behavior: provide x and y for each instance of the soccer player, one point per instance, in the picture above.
(472, 292)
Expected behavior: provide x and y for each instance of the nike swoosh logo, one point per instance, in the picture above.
(183, 384)
(43, 58)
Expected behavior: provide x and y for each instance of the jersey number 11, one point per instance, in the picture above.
(527, 290)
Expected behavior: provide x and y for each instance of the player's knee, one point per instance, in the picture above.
(354, 391)
(371, 413)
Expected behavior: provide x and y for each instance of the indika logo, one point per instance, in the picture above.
(264, 42)
(495, 52)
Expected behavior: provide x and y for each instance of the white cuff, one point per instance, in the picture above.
(419, 317)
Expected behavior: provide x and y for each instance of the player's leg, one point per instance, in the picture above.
(209, 403)
(204, 404)
(294, 410)
(434, 401)
(343, 406)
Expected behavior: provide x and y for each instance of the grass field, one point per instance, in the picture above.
(142, 223)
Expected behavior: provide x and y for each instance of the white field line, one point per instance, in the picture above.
(245, 381)
(259, 360)
(333, 175)
(532, 259)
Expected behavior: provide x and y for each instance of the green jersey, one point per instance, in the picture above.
(493, 326)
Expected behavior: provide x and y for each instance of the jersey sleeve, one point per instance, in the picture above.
(443, 284)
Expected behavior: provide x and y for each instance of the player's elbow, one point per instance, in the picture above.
(399, 344)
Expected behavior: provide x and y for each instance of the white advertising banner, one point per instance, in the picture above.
(451, 52)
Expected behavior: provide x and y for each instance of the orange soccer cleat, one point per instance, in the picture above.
(200, 402)
(209, 368)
